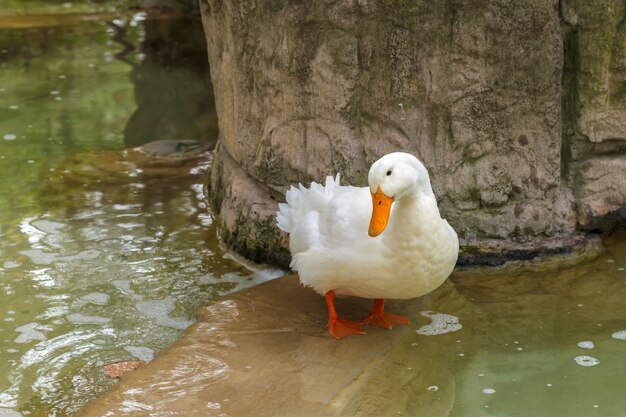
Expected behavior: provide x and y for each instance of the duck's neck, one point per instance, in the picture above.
(415, 213)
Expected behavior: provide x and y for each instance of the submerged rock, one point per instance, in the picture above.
(175, 149)
(169, 159)
(118, 369)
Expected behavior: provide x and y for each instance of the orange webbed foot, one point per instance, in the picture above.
(340, 328)
(386, 320)
(377, 317)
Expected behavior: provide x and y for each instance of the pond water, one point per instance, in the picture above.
(545, 342)
(105, 254)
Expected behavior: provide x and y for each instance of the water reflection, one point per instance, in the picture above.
(170, 72)
(113, 267)
(105, 254)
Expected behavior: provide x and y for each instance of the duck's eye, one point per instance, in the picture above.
(388, 172)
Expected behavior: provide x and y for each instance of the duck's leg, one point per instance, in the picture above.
(377, 317)
(339, 328)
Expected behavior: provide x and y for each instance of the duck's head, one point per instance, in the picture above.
(392, 178)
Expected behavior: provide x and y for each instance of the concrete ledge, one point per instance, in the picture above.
(265, 352)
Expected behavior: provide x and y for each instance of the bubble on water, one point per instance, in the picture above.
(433, 388)
(14, 107)
(585, 360)
(29, 332)
(586, 344)
(140, 352)
(9, 412)
(95, 298)
(548, 385)
(10, 265)
(40, 257)
(125, 287)
(130, 226)
(78, 318)
(9, 136)
(140, 16)
(610, 261)
(48, 226)
(124, 207)
(441, 324)
(213, 406)
(54, 93)
(160, 311)
(619, 335)
(489, 391)
(86, 255)
(621, 268)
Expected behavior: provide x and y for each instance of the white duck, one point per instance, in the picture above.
(332, 252)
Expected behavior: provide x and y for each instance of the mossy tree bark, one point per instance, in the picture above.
(511, 106)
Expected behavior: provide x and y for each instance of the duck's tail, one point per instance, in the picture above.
(302, 200)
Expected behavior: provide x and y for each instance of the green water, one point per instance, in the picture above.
(105, 255)
(547, 342)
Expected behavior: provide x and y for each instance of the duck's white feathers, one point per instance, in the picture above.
(331, 249)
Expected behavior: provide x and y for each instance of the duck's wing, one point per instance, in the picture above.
(328, 215)
(346, 222)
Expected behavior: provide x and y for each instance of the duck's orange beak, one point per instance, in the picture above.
(380, 212)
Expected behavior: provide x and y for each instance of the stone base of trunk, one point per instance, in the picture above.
(245, 210)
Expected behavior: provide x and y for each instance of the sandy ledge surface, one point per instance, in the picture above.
(265, 352)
